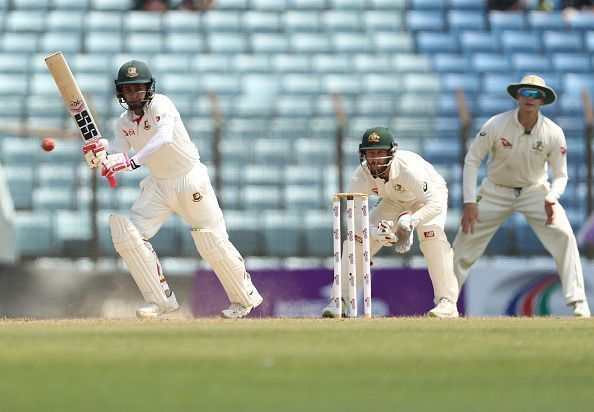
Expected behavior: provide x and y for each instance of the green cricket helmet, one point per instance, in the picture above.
(134, 72)
(377, 138)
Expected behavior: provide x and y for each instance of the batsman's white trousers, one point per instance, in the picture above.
(431, 236)
(191, 196)
(495, 205)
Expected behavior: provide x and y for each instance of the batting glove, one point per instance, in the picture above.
(117, 162)
(405, 226)
(95, 152)
(383, 233)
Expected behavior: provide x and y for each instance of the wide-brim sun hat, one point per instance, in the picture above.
(533, 82)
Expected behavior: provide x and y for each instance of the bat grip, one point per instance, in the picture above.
(112, 181)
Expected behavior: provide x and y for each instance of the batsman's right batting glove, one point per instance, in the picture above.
(95, 152)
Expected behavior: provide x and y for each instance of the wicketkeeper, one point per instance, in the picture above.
(522, 144)
(178, 183)
(413, 197)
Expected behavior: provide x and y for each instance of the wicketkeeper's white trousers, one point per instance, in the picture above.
(495, 205)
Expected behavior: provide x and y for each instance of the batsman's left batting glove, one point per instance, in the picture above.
(95, 152)
(117, 162)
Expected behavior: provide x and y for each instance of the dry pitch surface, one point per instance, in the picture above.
(410, 364)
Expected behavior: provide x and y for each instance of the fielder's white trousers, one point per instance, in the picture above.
(495, 205)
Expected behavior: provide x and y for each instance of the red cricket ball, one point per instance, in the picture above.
(48, 144)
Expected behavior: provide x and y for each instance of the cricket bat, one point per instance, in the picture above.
(74, 100)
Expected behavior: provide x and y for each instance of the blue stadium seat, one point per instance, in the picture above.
(570, 104)
(97, 42)
(575, 83)
(571, 62)
(119, 5)
(47, 199)
(19, 42)
(34, 225)
(542, 20)
(272, 43)
(259, 174)
(506, 20)
(260, 21)
(302, 197)
(268, 5)
(451, 63)
(50, 42)
(141, 21)
(466, 5)
(342, 21)
(466, 20)
(388, 42)
(179, 21)
(65, 21)
(477, 41)
(294, 106)
(226, 43)
(446, 151)
(245, 231)
(347, 43)
(387, 4)
(20, 180)
(235, 5)
(282, 234)
(304, 174)
(413, 104)
(513, 41)
(496, 83)
(554, 41)
(490, 105)
(103, 21)
(410, 63)
(382, 84)
(530, 62)
(379, 105)
(251, 63)
(68, 5)
(143, 42)
(310, 43)
(301, 83)
(25, 21)
(375, 20)
(301, 21)
(425, 20)
(314, 151)
(222, 21)
(261, 197)
(421, 82)
(318, 233)
(308, 4)
(468, 82)
(13, 84)
(489, 63)
(436, 42)
(221, 83)
(371, 63)
(290, 63)
(434, 5)
(582, 21)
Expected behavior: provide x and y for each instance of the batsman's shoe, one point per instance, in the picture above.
(237, 310)
(330, 311)
(444, 309)
(152, 310)
(580, 309)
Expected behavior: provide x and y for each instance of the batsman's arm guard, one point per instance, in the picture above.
(141, 260)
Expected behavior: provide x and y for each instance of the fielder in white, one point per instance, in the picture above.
(178, 183)
(412, 196)
(521, 144)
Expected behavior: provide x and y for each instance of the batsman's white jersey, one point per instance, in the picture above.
(413, 185)
(517, 181)
(179, 183)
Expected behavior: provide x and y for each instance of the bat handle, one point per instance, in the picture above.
(112, 181)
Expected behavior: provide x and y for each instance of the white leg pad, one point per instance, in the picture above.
(228, 265)
(141, 260)
(440, 263)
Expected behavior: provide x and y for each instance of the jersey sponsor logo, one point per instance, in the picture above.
(129, 132)
(374, 191)
(424, 186)
(196, 197)
(505, 142)
(563, 150)
(147, 126)
(429, 234)
(157, 118)
(538, 146)
(398, 187)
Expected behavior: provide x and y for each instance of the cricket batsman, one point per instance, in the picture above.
(178, 183)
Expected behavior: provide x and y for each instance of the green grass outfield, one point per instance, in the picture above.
(387, 364)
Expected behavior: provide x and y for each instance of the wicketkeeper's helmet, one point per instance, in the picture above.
(134, 72)
(377, 138)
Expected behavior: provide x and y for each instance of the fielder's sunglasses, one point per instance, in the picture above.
(535, 94)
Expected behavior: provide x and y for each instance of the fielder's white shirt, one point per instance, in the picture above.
(411, 179)
(159, 139)
(517, 159)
